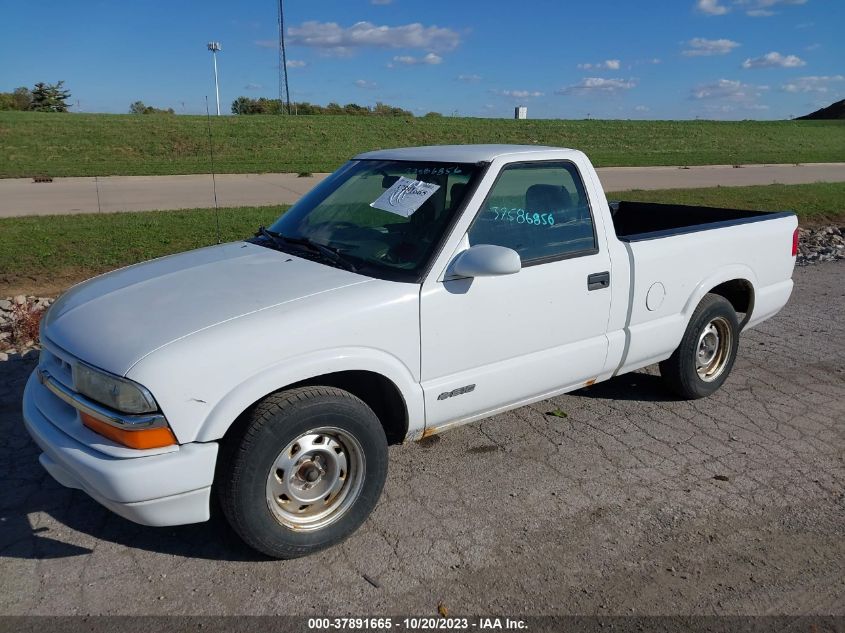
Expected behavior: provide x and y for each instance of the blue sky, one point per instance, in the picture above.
(639, 59)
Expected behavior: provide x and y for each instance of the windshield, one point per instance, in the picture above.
(382, 216)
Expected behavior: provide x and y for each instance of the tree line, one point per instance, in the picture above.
(262, 105)
(43, 97)
(139, 107)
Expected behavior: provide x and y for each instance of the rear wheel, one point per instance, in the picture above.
(305, 472)
(705, 357)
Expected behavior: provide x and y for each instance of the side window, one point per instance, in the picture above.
(540, 210)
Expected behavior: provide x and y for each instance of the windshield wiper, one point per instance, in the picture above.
(274, 237)
(328, 252)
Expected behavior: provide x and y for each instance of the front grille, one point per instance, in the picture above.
(57, 364)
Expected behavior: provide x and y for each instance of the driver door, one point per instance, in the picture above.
(491, 343)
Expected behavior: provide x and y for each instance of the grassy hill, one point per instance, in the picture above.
(34, 143)
(833, 111)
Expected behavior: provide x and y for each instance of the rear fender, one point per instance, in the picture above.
(726, 273)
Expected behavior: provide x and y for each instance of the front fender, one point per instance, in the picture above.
(306, 367)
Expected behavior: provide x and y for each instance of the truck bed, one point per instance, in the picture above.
(636, 221)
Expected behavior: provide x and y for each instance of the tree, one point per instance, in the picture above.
(432, 115)
(354, 108)
(138, 107)
(20, 99)
(242, 105)
(49, 97)
(382, 109)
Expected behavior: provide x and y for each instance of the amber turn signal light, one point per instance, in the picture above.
(142, 438)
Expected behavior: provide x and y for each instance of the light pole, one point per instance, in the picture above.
(214, 47)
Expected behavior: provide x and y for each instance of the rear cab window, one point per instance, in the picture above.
(540, 210)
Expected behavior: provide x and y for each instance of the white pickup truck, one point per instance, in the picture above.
(411, 291)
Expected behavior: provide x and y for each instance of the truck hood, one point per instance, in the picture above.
(114, 320)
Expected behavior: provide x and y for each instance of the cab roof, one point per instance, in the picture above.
(461, 153)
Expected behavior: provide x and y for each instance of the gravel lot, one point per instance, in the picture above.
(632, 503)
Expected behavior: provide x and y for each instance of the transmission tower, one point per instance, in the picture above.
(284, 92)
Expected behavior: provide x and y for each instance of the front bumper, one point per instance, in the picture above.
(171, 488)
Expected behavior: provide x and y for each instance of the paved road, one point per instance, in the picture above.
(20, 196)
(613, 509)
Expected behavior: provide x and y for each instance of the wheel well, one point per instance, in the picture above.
(377, 392)
(740, 294)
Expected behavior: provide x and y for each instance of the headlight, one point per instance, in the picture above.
(112, 391)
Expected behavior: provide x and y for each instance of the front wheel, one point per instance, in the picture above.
(706, 355)
(305, 472)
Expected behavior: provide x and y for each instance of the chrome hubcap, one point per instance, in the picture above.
(315, 479)
(714, 349)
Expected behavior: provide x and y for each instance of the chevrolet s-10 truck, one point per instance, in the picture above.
(411, 291)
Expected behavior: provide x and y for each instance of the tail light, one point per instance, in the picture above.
(795, 243)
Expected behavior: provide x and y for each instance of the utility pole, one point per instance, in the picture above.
(284, 92)
(214, 47)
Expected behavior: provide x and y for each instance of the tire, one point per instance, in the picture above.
(304, 472)
(706, 355)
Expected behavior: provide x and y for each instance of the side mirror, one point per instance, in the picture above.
(485, 260)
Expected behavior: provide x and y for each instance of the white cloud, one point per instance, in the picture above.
(366, 85)
(727, 108)
(774, 60)
(701, 47)
(729, 90)
(334, 39)
(754, 8)
(519, 94)
(253, 86)
(711, 7)
(597, 85)
(764, 8)
(642, 108)
(409, 60)
(296, 63)
(608, 64)
(817, 84)
(469, 79)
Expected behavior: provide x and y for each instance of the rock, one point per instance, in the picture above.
(3, 357)
(823, 244)
(5, 304)
(20, 299)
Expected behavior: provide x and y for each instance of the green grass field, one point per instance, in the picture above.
(48, 253)
(33, 143)
(816, 203)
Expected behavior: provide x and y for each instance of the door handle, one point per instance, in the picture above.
(597, 281)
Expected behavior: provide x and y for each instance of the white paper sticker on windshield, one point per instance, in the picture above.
(405, 196)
